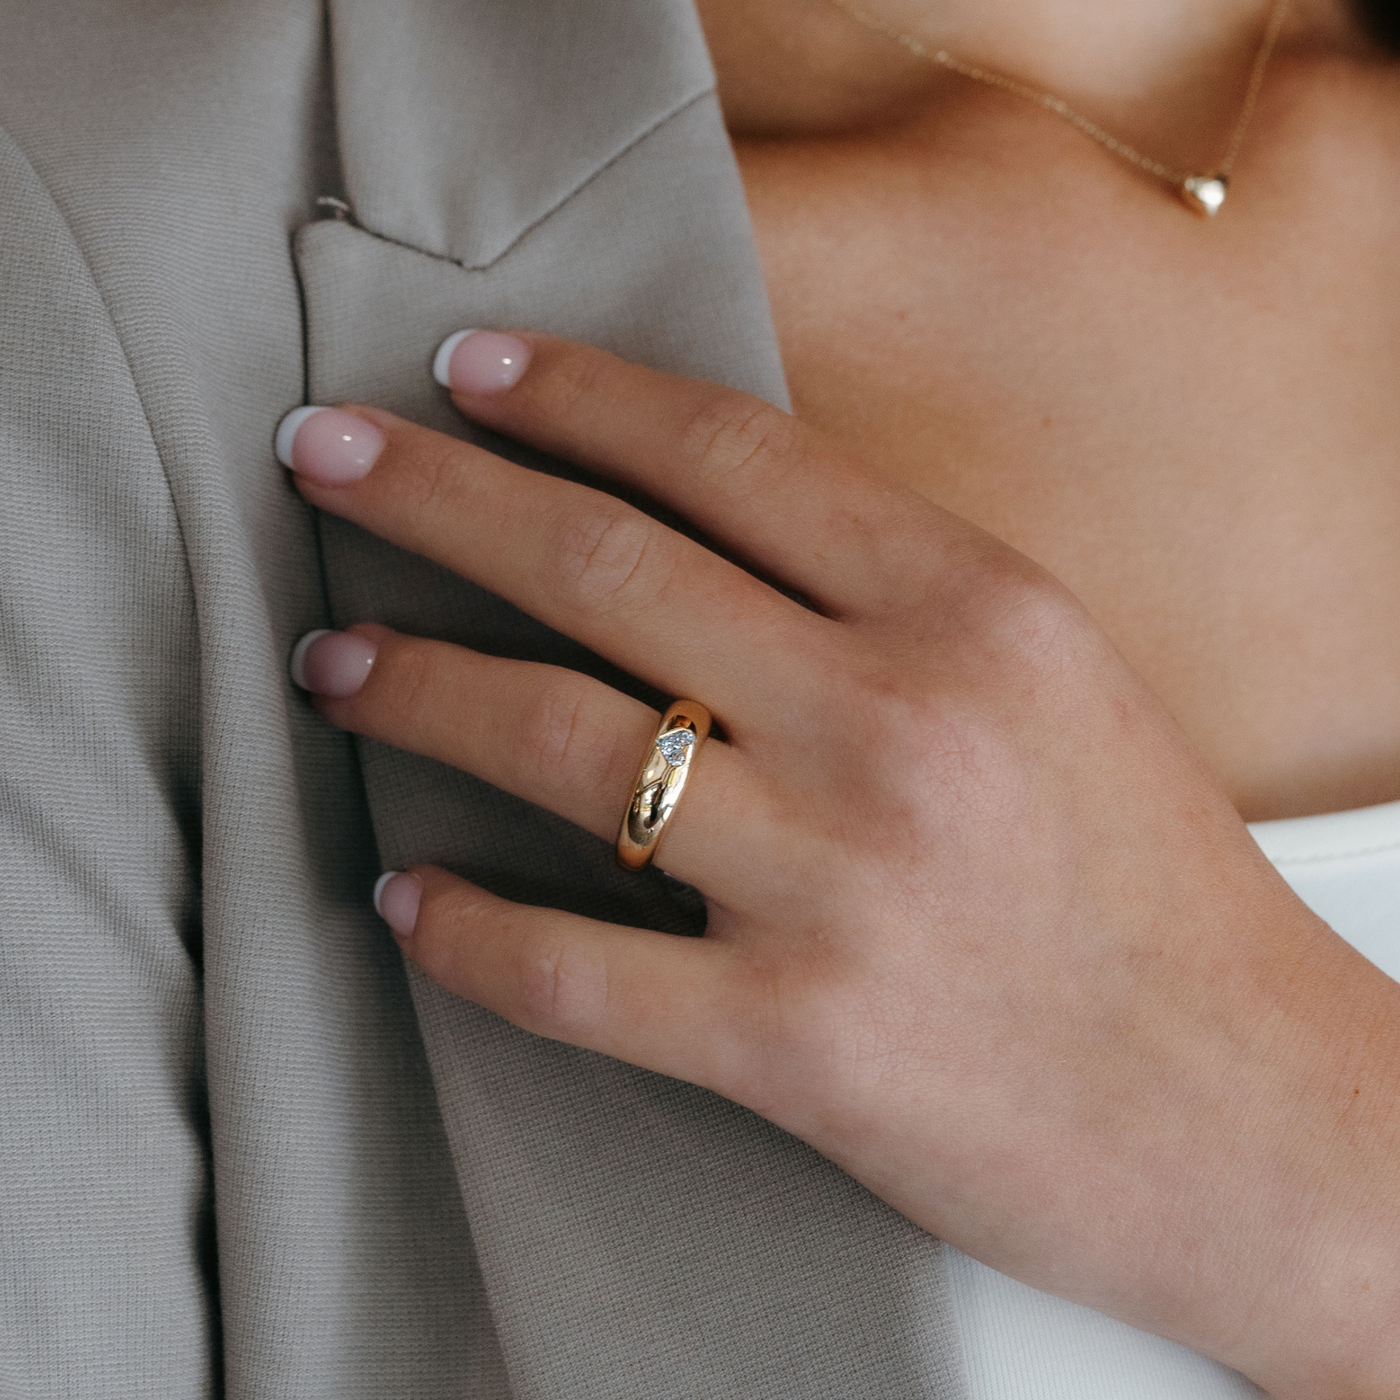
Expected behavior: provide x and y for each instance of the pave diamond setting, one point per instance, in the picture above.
(675, 746)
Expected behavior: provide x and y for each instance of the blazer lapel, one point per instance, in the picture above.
(563, 165)
(463, 122)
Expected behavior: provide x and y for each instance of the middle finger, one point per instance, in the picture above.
(661, 606)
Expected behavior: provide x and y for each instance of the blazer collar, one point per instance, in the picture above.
(459, 131)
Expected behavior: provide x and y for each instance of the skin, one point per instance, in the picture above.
(1194, 425)
(993, 936)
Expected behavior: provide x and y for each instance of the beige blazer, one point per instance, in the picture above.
(242, 1152)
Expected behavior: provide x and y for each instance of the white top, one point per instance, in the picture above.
(1020, 1344)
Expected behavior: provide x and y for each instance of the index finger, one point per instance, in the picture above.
(745, 472)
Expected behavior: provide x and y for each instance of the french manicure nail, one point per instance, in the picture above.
(327, 445)
(334, 664)
(396, 898)
(480, 362)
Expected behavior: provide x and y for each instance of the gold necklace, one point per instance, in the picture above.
(1203, 193)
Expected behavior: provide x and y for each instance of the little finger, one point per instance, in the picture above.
(674, 1005)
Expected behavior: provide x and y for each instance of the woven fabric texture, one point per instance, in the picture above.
(244, 1153)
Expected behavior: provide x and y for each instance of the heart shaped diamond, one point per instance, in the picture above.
(675, 746)
(1204, 193)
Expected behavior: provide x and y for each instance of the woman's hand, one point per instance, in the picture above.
(981, 928)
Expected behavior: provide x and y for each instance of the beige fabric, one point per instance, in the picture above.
(201, 1022)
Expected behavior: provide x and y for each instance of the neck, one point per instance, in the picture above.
(1172, 69)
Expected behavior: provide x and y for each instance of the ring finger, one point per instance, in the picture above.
(555, 737)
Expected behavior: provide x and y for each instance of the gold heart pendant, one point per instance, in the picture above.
(1204, 193)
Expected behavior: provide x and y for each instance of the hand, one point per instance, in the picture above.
(982, 929)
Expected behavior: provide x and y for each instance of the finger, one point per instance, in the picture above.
(660, 605)
(674, 1005)
(555, 737)
(773, 489)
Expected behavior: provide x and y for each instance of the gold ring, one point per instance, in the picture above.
(660, 782)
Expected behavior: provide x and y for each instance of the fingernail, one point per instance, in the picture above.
(396, 897)
(480, 362)
(332, 663)
(327, 445)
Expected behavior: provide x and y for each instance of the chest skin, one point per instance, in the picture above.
(1194, 424)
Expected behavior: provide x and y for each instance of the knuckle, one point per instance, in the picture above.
(416, 680)
(515, 960)
(413, 693)
(1012, 612)
(575, 376)
(606, 555)
(1044, 623)
(433, 476)
(405, 688)
(729, 433)
(562, 991)
(559, 735)
(954, 724)
(1033, 623)
(444, 929)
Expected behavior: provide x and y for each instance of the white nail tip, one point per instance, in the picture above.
(379, 888)
(287, 430)
(443, 358)
(296, 664)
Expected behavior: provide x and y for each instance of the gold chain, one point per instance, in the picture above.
(1061, 108)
